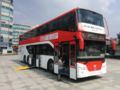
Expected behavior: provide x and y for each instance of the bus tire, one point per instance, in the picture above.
(28, 59)
(50, 66)
(24, 59)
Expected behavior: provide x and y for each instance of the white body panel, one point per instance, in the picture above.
(73, 73)
(30, 61)
(55, 68)
(23, 51)
(92, 28)
(82, 70)
(44, 60)
(37, 62)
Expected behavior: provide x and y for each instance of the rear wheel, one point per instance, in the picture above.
(24, 59)
(28, 59)
(51, 66)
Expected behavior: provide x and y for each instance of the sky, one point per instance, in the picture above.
(36, 12)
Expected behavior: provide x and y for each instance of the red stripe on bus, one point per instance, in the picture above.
(73, 67)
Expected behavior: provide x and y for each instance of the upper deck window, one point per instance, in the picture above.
(90, 17)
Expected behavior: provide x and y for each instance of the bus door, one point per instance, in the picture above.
(56, 54)
(72, 60)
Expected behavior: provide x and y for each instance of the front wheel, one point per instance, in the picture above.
(51, 66)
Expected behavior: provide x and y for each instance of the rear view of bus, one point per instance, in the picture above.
(90, 52)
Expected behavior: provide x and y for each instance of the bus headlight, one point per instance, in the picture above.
(83, 68)
(103, 66)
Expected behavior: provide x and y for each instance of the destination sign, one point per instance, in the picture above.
(93, 36)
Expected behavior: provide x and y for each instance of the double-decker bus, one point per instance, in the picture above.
(77, 35)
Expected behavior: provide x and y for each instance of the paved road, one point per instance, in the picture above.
(40, 79)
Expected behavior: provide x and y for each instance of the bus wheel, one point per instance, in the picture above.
(24, 59)
(28, 59)
(51, 66)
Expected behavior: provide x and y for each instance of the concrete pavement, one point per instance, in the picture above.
(40, 79)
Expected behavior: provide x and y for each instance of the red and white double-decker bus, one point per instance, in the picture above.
(78, 35)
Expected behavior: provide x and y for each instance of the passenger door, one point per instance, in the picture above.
(56, 54)
(72, 60)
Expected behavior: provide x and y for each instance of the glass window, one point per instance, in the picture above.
(93, 36)
(6, 1)
(7, 9)
(44, 48)
(10, 33)
(6, 18)
(6, 25)
(3, 9)
(92, 49)
(4, 32)
(11, 2)
(2, 25)
(86, 16)
(11, 11)
(44, 29)
(50, 50)
(39, 31)
(67, 23)
(53, 26)
(39, 49)
(11, 19)
(10, 26)
(72, 53)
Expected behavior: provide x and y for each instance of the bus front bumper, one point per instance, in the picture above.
(82, 71)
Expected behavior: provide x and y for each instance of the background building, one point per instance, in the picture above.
(6, 23)
(17, 30)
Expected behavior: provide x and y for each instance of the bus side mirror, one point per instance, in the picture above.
(81, 43)
(113, 44)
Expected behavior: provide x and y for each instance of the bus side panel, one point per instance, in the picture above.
(22, 51)
(44, 60)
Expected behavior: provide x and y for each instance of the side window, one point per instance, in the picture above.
(32, 34)
(66, 22)
(30, 49)
(53, 26)
(50, 50)
(39, 49)
(38, 32)
(44, 29)
(44, 48)
(20, 38)
(56, 54)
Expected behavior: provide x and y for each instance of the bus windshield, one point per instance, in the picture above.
(92, 50)
(90, 17)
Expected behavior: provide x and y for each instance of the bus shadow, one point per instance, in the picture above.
(80, 80)
(47, 74)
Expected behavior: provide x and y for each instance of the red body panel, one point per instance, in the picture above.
(62, 36)
(93, 65)
(72, 67)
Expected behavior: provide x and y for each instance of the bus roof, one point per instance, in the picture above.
(59, 17)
